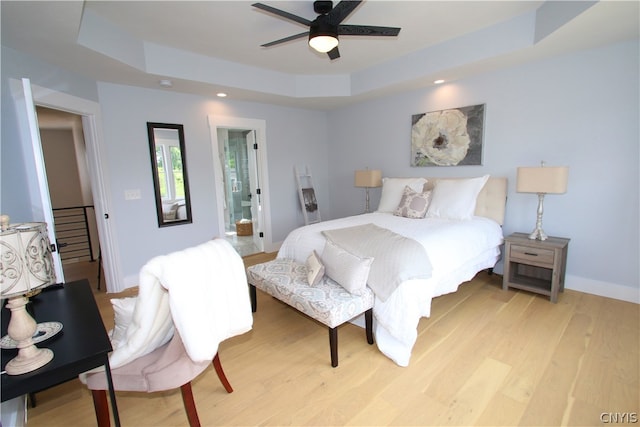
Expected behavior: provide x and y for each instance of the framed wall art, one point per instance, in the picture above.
(448, 137)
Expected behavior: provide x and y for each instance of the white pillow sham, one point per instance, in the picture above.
(122, 315)
(348, 270)
(123, 310)
(393, 188)
(455, 198)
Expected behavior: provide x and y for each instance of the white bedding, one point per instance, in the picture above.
(456, 249)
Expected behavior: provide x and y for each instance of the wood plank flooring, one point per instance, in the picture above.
(485, 357)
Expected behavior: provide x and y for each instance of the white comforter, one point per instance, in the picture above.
(456, 249)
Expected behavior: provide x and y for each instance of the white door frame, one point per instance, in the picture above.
(92, 127)
(260, 126)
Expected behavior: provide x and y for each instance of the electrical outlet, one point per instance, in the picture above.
(131, 194)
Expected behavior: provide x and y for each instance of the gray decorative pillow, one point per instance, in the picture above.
(315, 269)
(348, 270)
(169, 211)
(413, 204)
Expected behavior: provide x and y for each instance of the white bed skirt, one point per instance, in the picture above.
(400, 350)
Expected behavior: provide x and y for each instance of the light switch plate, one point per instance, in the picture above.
(131, 194)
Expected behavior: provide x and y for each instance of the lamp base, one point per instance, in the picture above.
(538, 234)
(366, 206)
(33, 359)
(21, 329)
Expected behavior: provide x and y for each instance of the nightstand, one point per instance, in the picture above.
(535, 265)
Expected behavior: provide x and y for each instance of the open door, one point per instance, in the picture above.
(26, 95)
(254, 182)
(26, 113)
(256, 148)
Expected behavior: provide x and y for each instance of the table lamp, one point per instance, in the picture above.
(542, 180)
(368, 179)
(25, 265)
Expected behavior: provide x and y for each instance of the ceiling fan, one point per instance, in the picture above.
(324, 30)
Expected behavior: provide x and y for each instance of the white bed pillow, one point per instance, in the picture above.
(413, 204)
(348, 270)
(455, 198)
(315, 269)
(122, 315)
(123, 309)
(393, 188)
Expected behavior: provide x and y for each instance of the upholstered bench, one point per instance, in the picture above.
(326, 302)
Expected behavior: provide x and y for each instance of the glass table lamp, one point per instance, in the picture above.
(542, 180)
(368, 179)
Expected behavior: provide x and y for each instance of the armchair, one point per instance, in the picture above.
(166, 368)
(188, 302)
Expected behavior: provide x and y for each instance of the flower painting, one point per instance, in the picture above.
(448, 137)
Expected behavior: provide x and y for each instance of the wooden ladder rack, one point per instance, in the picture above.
(307, 195)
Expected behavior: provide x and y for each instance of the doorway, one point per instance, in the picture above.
(25, 97)
(69, 183)
(241, 189)
(239, 148)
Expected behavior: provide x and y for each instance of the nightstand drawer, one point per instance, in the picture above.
(527, 253)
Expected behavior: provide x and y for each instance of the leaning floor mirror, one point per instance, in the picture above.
(169, 167)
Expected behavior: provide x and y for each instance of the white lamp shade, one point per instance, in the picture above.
(368, 178)
(25, 259)
(548, 180)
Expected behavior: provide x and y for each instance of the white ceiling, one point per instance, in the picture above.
(209, 46)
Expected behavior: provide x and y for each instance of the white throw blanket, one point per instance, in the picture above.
(395, 258)
(203, 288)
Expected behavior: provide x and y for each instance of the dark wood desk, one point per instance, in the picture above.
(83, 343)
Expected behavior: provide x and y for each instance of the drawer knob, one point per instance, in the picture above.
(530, 253)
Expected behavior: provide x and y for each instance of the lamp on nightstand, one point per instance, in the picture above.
(368, 179)
(25, 265)
(542, 180)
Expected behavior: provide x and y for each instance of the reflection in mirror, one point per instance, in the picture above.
(166, 143)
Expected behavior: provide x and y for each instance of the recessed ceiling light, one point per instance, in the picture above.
(166, 83)
(221, 94)
(438, 82)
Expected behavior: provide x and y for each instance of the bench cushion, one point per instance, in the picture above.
(327, 302)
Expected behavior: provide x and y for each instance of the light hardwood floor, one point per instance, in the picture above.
(485, 357)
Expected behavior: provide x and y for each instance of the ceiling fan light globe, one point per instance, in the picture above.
(323, 44)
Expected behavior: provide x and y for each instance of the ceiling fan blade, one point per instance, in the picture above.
(342, 10)
(286, 39)
(282, 14)
(367, 30)
(334, 53)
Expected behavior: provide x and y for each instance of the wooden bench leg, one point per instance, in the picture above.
(254, 301)
(101, 407)
(223, 378)
(333, 345)
(368, 321)
(190, 405)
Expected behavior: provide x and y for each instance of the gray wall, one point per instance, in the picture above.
(294, 137)
(579, 110)
(19, 195)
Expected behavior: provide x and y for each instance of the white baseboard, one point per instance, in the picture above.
(603, 289)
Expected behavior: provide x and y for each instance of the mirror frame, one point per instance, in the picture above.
(162, 222)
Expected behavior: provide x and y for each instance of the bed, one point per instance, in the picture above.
(460, 232)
